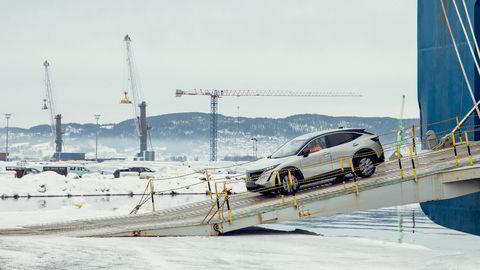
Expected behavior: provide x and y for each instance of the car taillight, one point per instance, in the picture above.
(376, 139)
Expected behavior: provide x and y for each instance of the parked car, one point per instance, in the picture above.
(65, 170)
(314, 157)
(21, 171)
(139, 170)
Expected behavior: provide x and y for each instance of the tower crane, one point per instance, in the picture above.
(215, 94)
(49, 104)
(139, 104)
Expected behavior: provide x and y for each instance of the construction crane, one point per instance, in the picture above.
(139, 105)
(49, 104)
(215, 94)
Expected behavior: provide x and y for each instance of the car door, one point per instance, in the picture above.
(318, 162)
(341, 147)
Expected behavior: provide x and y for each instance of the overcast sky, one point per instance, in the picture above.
(316, 45)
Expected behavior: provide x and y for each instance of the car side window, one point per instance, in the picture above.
(316, 145)
(340, 138)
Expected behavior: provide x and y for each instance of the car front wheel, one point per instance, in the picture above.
(288, 187)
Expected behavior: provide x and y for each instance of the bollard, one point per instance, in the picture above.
(470, 160)
(290, 179)
(459, 131)
(218, 201)
(414, 170)
(207, 176)
(414, 145)
(209, 190)
(294, 201)
(152, 193)
(341, 165)
(457, 160)
(350, 162)
(283, 199)
(228, 208)
(399, 162)
(277, 179)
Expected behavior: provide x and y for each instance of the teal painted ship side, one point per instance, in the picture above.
(443, 95)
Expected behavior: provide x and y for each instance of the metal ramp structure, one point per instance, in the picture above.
(437, 175)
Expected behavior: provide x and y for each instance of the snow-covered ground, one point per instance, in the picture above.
(168, 177)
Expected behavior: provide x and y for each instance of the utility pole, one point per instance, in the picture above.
(7, 116)
(254, 141)
(97, 116)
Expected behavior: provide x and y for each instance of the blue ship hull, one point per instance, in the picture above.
(443, 95)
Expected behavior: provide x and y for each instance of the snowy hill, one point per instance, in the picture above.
(192, 129)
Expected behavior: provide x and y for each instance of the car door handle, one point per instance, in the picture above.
(355, 144)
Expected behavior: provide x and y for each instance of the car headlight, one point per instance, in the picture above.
(270, 168)
(265, 176)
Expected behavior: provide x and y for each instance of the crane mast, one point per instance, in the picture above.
(139, 105)
(49, 104)
(215, 94)
(133, 84)
(49, 97)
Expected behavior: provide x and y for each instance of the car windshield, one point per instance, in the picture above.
(289, 149)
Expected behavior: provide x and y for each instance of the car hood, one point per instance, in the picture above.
(267, 162)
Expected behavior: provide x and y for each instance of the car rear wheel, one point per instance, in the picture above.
(288, 188)
(365, 166)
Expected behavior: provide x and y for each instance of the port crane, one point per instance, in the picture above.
(138, 103)
(400, 131)
(49, 104)
(215, 94)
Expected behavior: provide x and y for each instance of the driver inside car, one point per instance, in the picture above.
(315, 147)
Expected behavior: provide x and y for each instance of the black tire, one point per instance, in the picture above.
(339, 178)
(285, 187)
(365, 165)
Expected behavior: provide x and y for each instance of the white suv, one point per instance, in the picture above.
(314, 157)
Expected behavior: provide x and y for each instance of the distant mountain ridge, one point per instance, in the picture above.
(195, 125)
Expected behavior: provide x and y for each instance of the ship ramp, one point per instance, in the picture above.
(433, 175)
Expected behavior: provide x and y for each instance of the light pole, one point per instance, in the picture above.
(7, 116)
(254, 141)
(97, 116)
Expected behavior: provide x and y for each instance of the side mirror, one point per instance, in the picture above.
(305, 152)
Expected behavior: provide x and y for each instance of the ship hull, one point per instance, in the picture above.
(443, 96)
